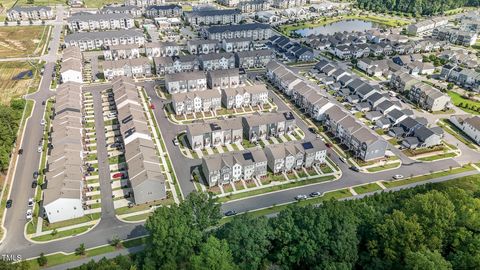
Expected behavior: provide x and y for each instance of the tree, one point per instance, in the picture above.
(248, 239)
(42, 260)
(214, 254)
(426, 260)
(436, 215)
(115, 242)
(176, 231)
(80, 251)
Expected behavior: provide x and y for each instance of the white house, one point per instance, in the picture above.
(468, 124)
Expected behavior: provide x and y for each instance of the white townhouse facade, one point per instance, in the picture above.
(468, 124)
(192, 102)
(127, 51)
(84, 21)
(19, 13)
(162, 49)
(185, 82)
(132, 68)
(254, 95)
(255, 31)
(87, 41)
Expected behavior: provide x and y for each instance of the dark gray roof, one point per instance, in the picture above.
(395, 114)
(163, 7)
(103, 35)
(237, 27)
(214, 12)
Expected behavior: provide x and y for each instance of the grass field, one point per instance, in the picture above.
(97, 3)
(15, 79)
(22, 41)
(458, 99)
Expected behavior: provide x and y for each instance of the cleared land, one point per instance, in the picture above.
(22, 41)
(15, 79)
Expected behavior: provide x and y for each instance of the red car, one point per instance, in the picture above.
(152, 106)
(328, 145)
(118, 175)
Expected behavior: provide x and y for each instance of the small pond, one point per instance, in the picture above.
(341, 26)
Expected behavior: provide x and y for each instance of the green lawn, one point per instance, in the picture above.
(466, 105)
(390, 184)
(367, 188)
(275, 188)
(439, 156)
(61, 234)
(384, 167)
(70, 222)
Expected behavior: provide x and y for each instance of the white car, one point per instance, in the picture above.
(40, 149)
(112, 115)
(175, 142)
(300, 197)
(342, 159)
(397, 176)
(29, 214)
(30, 202)
(42, 122)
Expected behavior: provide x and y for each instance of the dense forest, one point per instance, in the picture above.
(9, 120)
(433, 227)
(415, 7)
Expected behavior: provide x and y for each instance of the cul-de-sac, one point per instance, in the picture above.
(239, 134)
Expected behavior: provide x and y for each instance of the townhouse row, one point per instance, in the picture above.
(63, 199)
(464, 77)
(468, 124)
(26, 13)
(84, 21)
(256, 31)
(72, 65)
(246, 165)
(384, 112)
(213, 100)
(214, 61)
(213, 16)
(141, 156)
(359, 139)
(253, 128)
(136, 50)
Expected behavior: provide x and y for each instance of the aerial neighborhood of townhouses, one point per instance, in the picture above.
(138, 104)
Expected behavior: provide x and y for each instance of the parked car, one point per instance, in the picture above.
(355, 168)
(43, 103)
(29, 214)
(42, 122)
(175, 142)
(312, 130)
(39, 149)
(118, 175)
(9, 203)
(328, 145)
(35, 175)
(230, 213)
(300, 197)
(342, 159)
(152, 106)
(397, 176)
(315, 194)
(30, 202)
(34, 184)
(20, 151)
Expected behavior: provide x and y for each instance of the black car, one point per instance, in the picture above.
(43, 103)
(9, 204)
(315, 194)
(35, 175)
(312, 130)
(20, 151)
(230, 213)
(355, 169)
(34, 183)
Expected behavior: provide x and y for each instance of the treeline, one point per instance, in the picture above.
(10, 117)
(431, 227)
(415, 7)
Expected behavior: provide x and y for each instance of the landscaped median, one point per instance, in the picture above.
(62, 258)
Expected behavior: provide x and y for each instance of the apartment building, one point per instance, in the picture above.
(455, 36)
(98, 40)
(176, 64)
(216, 16)
(255, 95)
(253, 6)
(237, 44)
(135, 11)
(143, 164)
(171, 10)
(63, 198)
(295, 155)
(193, 102)
(215, 61)
(122, 51)
(255, 31)
(253, 59)
(161, 49)
(284, 4)
(18, 13)
(132, 68)
(185, 82)
(84, 21)
(464, 77)
(228, 167)
(224, 78)
(215, 133)
(426, 25)
(202, 46)
(468, 124)
(144, 3)
(428, 97)
(282, 77)
(72, 65)
(257, 127)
